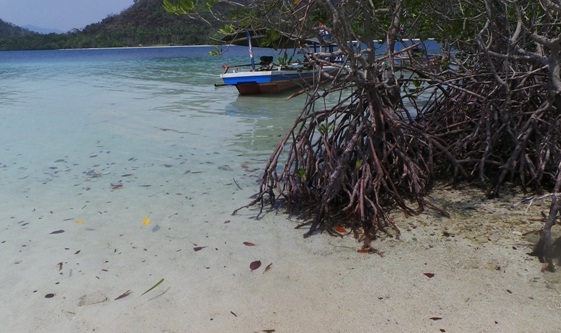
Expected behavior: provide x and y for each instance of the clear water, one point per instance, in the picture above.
(75, 121)
(113, 165)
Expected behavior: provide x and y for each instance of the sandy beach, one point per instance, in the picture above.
(119, 176)
(65, 268)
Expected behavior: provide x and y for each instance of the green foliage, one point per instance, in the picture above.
(285, 59)
(216, 52)
(227, 29)
(180, 7)
(146, 22)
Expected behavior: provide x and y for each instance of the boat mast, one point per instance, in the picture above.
(251, 59)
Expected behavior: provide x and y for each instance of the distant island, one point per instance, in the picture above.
(143, 23)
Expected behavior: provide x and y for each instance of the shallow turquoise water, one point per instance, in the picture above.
(75, 121)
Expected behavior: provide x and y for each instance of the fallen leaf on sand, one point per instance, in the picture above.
(429, 275)
(80, 222)
(57, 232)
(146, 221)
(435, 318)
(340, 229)
(154, 286)
(248, 244)
(198, 248)
(268, 268)
(123, 295)
(255, 265)
(363, 251)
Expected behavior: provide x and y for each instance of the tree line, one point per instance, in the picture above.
(144, 23)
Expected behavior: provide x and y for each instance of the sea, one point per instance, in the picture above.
(116, 167)
(130, 117)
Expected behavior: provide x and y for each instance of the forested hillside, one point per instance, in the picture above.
(144, 23)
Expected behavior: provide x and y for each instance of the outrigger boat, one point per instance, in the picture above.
(270, 78)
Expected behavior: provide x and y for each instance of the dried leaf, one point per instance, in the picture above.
(340, 229)
(198, 248)
(123, 295)
(255, 265)
(268, 268)
(429, 275)
(57, 232)
(363, 251)
(248, 244)
(435, 318)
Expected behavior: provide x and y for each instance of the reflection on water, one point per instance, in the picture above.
(270, 117)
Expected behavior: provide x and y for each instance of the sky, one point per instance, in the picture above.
(63, 15)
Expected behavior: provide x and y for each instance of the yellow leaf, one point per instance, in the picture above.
(146, 221)
(80, 222)
(296, 2)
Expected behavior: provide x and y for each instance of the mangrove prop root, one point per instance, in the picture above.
(350, 160)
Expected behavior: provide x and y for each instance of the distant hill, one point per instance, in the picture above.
(143, 23)
(9, 30)
(42, 30)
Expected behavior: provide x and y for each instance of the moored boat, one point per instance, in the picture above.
(270, 78)
(274, 79)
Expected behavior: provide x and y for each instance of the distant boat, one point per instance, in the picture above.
(273, 79)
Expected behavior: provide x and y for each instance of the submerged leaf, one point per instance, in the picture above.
(198, 248)
(248, 244)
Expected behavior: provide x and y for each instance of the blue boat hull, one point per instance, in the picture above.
(270, 81)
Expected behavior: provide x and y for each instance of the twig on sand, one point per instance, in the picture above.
(530, 200)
